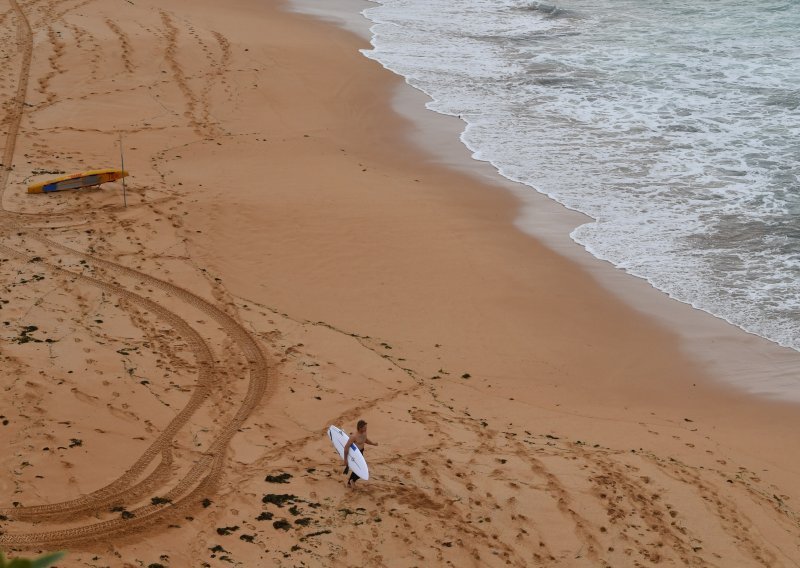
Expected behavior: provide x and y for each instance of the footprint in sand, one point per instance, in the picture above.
(83, 397)
(126, 415)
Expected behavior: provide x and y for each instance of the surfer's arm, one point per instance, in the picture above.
(350, 440)
(370, 442)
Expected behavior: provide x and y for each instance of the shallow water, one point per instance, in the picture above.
(673, 125)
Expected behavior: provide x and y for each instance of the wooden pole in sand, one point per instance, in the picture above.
(122, 167)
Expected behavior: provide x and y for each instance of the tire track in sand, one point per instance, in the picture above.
(204, 474)
(16, 107)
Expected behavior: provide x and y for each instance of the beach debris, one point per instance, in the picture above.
(217, 548)
(225, 531)
(25, 335)
(279, 499)
(280, 478)
(282, 524)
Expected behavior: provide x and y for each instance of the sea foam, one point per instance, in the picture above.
(674, 125)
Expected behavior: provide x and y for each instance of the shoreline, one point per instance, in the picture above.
(289, 259)
(744, 360)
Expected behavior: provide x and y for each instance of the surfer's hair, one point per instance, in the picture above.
(361, 424)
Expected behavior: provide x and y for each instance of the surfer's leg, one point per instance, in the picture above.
(353, 478)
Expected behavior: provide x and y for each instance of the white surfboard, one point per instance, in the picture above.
(355, 459)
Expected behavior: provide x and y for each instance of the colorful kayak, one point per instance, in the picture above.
(77, 181)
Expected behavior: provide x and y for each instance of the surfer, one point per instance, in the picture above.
(360, 440)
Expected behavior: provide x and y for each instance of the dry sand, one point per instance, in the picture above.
(288, 260)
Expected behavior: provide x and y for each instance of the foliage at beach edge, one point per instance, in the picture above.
(41, 562)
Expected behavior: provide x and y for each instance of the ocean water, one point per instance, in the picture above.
(673, 124)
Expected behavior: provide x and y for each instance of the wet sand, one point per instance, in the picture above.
(288, 259)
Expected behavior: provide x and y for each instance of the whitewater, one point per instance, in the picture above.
(674, 125)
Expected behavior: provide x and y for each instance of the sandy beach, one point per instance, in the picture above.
(288, 258)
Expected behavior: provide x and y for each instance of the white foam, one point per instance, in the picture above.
(685, 185)
(344, 13)
(663, 138)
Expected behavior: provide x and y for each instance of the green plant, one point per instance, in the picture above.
(41, 562)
